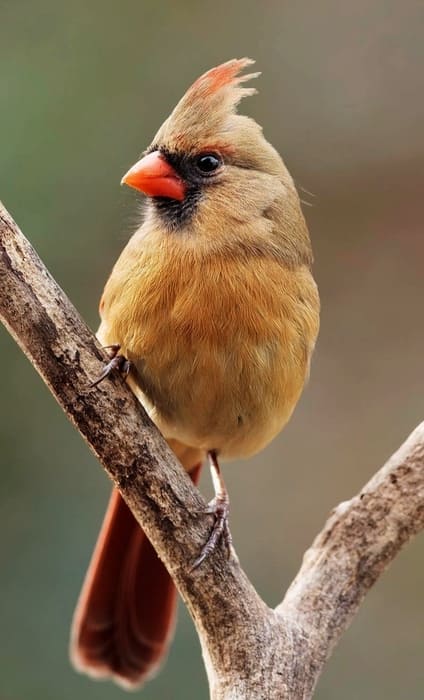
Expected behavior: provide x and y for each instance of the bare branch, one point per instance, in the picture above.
(358, 542)
(250, 650)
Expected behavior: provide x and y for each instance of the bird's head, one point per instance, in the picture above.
(211, 174)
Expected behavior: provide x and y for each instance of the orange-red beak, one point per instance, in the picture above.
(155, 177)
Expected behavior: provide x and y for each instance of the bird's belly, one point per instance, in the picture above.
(230, 400)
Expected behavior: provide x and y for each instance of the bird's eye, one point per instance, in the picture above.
(208, 162)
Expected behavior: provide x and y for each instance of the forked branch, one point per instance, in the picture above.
(250, 650)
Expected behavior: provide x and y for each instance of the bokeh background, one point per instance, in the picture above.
(83, 88)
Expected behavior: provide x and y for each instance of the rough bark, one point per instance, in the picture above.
(250, 650)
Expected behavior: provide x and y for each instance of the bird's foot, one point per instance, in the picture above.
(117, 363)
(219, 507)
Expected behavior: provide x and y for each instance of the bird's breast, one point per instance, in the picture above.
(222, 345)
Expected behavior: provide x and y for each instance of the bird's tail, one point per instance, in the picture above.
(125, 616)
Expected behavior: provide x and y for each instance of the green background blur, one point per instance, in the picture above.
(83, 88)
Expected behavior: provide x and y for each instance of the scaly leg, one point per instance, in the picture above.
(220, 508)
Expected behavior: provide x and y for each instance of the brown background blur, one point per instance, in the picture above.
(83, 88)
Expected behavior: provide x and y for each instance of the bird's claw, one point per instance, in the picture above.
(117, 363)
(219, 507)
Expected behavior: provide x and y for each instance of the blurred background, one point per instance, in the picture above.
(83, 88)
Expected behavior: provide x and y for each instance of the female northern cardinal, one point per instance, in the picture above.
(214, 302)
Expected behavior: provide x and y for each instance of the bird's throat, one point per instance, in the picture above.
(175, 214)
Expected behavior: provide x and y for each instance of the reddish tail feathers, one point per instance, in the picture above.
(125, 616)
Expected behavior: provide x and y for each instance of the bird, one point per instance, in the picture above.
(214, 304)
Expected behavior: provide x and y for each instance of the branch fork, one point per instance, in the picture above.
(250, 650)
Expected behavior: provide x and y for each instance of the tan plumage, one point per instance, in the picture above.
(220, 318)
(222, 342)
(213, 299)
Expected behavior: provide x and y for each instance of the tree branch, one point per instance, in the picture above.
(250, 651)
